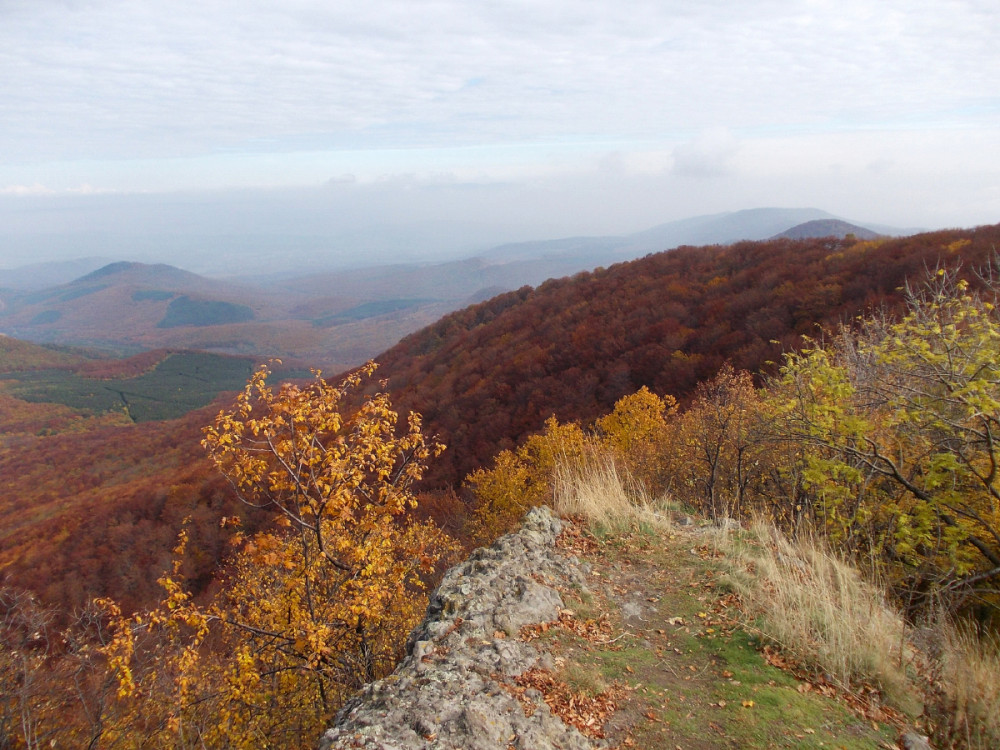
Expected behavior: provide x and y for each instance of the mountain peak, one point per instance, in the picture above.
(110, 270)
(826, 228)
(124, 266)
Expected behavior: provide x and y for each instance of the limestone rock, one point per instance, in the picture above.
(914, 741)
(447, 692)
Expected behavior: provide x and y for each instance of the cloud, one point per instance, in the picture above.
(708, 155)
(155, 80)
(36, 189)
(474, 98)
(344, 179)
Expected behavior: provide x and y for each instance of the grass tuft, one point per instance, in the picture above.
(962, 701)
(818, 608)
(594, 487)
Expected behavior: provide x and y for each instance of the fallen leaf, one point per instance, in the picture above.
(747, 704)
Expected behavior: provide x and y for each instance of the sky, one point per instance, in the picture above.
(209, 131)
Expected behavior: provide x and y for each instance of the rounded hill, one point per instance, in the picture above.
(488, 375)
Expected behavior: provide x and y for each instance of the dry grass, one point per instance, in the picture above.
(594, 487)
(963, 690)
(818, 608)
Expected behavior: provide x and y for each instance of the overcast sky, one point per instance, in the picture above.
(452, 124)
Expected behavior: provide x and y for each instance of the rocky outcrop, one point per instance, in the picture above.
(450, 690)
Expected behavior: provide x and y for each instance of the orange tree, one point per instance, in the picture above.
(523, 478)
(308, 612)
(520, 479)
(721, 454)
(636, 434)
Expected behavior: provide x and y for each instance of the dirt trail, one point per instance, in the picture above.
(657, 626)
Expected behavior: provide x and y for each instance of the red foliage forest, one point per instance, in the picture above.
(94, 509)
(96, 512)
(487, 376)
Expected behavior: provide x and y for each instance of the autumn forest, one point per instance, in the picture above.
(841, 386)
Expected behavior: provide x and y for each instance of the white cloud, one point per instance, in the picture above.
(709, 155)
(36, 189)
(596, 112)
(108, 79)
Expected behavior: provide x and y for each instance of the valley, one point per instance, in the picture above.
(120, 437)
(334, 319)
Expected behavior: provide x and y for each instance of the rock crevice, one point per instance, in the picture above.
(449, 691)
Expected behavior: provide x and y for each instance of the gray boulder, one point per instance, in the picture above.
(449, 690)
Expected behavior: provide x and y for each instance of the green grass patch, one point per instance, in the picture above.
(180, 383)
(185, 311)
(698, 679)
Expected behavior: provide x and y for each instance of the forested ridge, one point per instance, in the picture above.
(487, 376)
(309, 565)
(84, 494)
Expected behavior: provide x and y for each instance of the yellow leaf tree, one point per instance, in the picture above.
(520, 480)
(636, 433)
(901, 427)
(308, 612)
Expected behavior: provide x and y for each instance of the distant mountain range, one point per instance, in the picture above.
(129, 307)
(335, 319)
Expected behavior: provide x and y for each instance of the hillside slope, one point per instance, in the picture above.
(91, 501)
(488, 375)
(557, 638)
(124, 307)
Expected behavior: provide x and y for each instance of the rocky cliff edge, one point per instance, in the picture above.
(452, 689)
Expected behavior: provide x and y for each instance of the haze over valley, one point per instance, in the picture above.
(333, 319)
